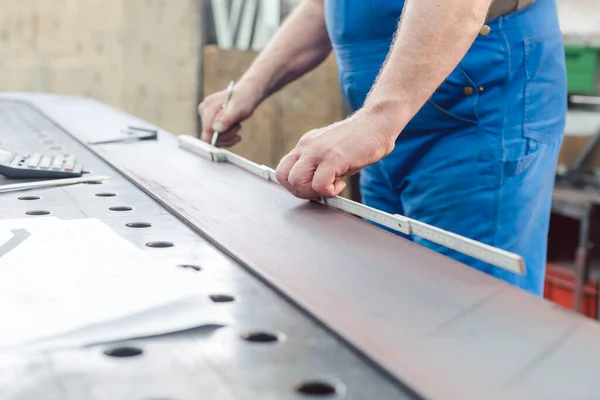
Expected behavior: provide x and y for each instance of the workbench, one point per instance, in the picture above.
(323, 304)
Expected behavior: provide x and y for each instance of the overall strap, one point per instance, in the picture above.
(503, 7)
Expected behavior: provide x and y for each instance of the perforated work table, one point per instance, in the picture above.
(324, 305)
(274, 351)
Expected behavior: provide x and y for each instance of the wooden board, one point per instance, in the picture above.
(442, 328)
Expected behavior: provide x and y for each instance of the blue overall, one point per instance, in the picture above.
(479, 158)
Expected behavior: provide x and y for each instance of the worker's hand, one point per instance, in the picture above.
(226, 121)
(324, 156)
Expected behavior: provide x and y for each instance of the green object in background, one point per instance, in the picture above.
(582, 69)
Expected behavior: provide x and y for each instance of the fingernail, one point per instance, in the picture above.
(218, 126)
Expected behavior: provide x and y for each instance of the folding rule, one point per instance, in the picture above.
(481, 251)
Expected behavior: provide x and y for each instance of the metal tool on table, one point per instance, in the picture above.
(492, 255)
(215, 136)
(51, 182)
(134, 133)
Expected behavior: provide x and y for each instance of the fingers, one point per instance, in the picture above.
(226, 139)
(205, 136)
(216, 118)
(325, 181)
(208, 110)
(230, 137)
(301, 176)
(307, 178)
(283, 172)
(226, 117)
(219, 119)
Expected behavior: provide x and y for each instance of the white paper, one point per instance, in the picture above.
(178, 317)
(69, 275)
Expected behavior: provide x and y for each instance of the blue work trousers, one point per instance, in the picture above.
(479, 158)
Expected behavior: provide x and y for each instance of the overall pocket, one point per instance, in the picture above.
(452, 106)
(545, 88)
(456, 97)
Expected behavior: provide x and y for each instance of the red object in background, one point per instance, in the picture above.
(559, 287)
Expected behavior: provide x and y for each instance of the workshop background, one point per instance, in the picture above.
(157, 59)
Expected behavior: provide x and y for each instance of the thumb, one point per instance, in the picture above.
(326, 182)
(338, 186)
(226, 118)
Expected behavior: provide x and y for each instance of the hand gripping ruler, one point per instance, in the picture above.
(492, 255)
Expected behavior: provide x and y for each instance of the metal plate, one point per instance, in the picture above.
(444, 329)
(211, 363)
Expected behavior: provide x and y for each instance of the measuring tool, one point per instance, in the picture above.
(215, 136)
(134, 133)
(36, 165)
(51, 182)
(489, 254)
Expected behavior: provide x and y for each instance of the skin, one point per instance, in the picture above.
(431, 39)
(300, 44)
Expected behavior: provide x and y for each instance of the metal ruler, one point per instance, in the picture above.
(489, 254)
(53, 182)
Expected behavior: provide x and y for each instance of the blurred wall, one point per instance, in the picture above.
(141, 56)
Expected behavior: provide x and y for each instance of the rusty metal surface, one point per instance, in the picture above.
(443, 329)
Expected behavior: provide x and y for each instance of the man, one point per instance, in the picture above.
(458, 114)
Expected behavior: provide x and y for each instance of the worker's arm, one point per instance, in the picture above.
(300, 44)
(431, 39)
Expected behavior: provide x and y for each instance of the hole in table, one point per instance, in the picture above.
(316, 388)
(260, 337)
(221, 298)
(106, 194)
(29, 198)
(55, 148)
(138, 225)
(194, 267)
(48, 141)
(120, 208)
(123, 352)
(160, 244)
(37, 212)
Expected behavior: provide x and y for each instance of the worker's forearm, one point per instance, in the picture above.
(300, 45)
(432, 37)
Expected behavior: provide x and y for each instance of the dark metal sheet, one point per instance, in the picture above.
(442, 328)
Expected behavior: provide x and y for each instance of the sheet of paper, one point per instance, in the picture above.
(64, 276)
(197, 314)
